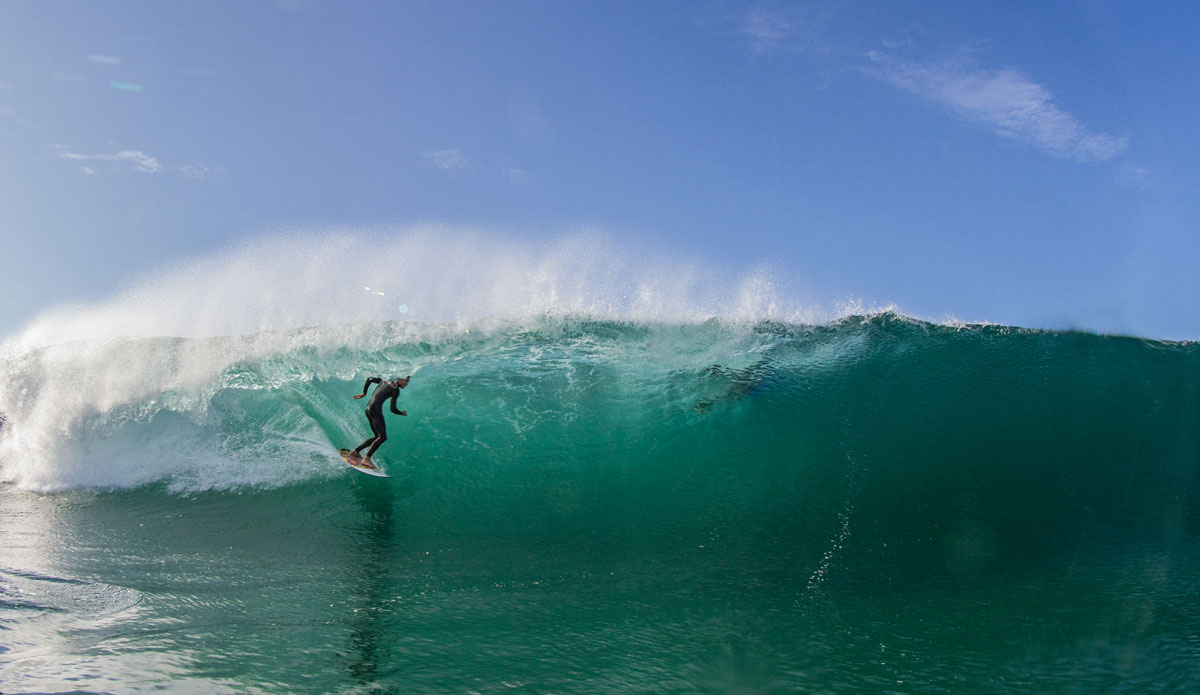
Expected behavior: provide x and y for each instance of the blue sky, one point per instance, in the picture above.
(1026, 163)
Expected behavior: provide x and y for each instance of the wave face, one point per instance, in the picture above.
(1001, 433)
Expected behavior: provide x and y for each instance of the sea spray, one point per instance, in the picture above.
(435, 276)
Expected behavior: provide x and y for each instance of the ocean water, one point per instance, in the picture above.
(594, 500)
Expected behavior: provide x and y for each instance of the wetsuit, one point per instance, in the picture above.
(382, 393)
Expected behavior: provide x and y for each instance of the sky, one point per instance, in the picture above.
(1022, 163)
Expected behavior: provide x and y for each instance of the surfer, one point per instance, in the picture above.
(385, 390)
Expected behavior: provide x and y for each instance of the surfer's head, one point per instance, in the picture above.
(400, 382)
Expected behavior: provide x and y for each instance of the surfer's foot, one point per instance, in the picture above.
(368, 463)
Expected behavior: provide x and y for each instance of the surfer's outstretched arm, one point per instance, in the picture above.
(367, 384)
(394, 397)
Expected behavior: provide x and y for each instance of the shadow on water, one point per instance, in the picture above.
(377, 539)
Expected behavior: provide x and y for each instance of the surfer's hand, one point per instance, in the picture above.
(359, 396)
(404, 412)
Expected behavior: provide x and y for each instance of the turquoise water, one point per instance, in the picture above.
(583, 505)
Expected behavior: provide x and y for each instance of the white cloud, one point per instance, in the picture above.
(454, 159)
(767, 29)
(790, 27)
(1133, 176)
(198, 171)
(104, 59)
(1012, 104)
(517, 177)
(447, 160)
(1006, 100)
(139, 161)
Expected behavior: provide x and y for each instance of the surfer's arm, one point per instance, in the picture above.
(398, 412)
(367, 384)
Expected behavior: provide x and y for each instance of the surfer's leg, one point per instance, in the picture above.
(377, 429)
(378, 440)
(381, 429)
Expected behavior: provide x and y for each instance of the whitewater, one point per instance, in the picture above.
(622, 471)
(288, 313)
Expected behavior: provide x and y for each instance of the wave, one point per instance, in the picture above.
(547, 404)
(906, 399)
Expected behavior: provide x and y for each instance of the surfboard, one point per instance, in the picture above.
(356, 462)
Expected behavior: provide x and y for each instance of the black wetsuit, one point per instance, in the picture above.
(382, 393)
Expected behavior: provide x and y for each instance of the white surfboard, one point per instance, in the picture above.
(356, 462)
